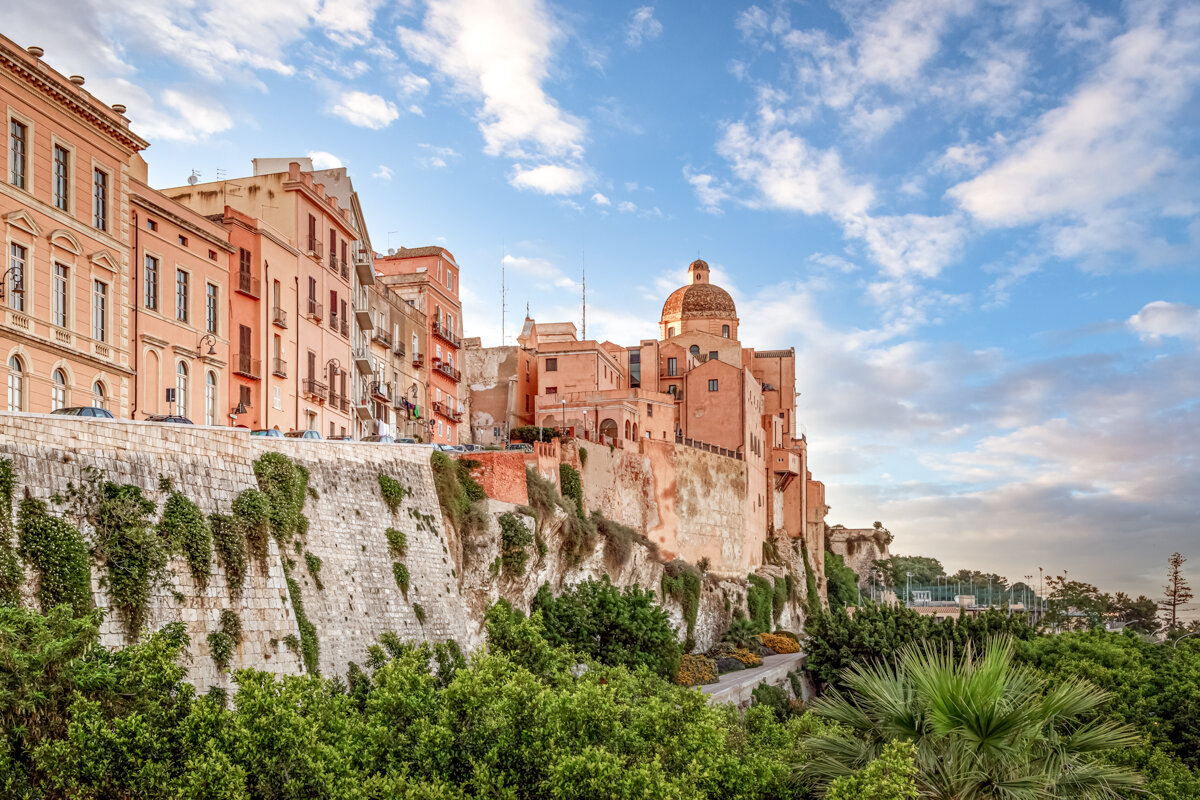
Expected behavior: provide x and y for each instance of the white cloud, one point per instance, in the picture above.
(909, 244)
(549, 179)
(541, 269)
(347, 22)
(642, 27)
(437, 156)
(323, 160)
(626, 207)
(383, 172)
(413, 84)
(962, 157)
(601, 200)
(1116, 124)
(188, 117)
(366, 110)
(710, 191)
(500, 55)
(1161, 318)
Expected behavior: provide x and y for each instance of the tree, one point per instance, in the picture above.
(1067, 596)
(1178, 592)
(1139, 615)
(981, 727)
(925, 570)
(841, 581)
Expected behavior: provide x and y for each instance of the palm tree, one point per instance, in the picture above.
(983, 728)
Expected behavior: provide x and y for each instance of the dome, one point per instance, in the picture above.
(699, 301)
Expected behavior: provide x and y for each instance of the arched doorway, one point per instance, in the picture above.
(635, 431)
(627, 429)
(609, 428)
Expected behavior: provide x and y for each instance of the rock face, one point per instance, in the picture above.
(860, 548)
(355, 596)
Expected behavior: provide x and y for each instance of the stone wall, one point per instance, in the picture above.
(502, 475)
(860, 548)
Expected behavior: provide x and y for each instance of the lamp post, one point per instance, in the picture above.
(564, 420)
(1181, 638)
(211, 340)
(908, 589)
(18, 281)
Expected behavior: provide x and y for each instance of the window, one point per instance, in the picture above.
(670, 332)
(725, 331)
(345, 252)
(712, 355)
(672, 389)
(694, 349)
(58, 391)
(276, 293)
(16, 384)
(712, 384)
(210, 398)
(18, 146)
(151, 282)
(672, 366)
(211, 295)
(62, 295)
(151, 225)
(100, 199)
(312, 233)
(551, 390)
(62, 178)
(17, 256)
(99, 396)
(312, 290)
(414, 346)
(212, 255)
(244, 395)
(183, 240)
(649, 410)
(100, 311)
(181, 295)
(333, 248)
(181, 389)
(551, 365)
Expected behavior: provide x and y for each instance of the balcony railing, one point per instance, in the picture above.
(315, 309)
(447, 411)
(445, 334)
(382, 337)
(418, 360)
(709, 448)
(279, 317)
(279, 367)
(333, 262)
(314, 246)
(314, 388)
(248, 284)
(345, 271)
(381, 390)
(345, 327)
(246, 366)
(334, 320)
(447, 370)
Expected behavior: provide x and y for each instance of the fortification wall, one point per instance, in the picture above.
(860, 548)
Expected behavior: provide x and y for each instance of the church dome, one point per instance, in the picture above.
(699, 301)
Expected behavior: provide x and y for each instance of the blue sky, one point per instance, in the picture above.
(977, 222)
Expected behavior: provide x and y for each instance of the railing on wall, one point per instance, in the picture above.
(709, 448)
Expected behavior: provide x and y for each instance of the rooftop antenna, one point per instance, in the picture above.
(583, 276)
(504, 299)
(194, 178)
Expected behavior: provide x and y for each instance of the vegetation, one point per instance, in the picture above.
(760, 600)
(1177, 592)
(313, 564)
(532, 433)
(229, 542)
(695, 670)
(780, 643)
(134, 555)
(58, 555)
(419, 610)
(578, 530)
(397, 543)
(742, 632)
(583, 455)
(11, 574)
(515, 538)
(187, 531)
(285, 484)
(981, 727)
(619, 540)
(889, 777)
(458, 493)
(393, 492)
(841, 582)
(612, 626)
(681, 583)
(252, 512)
(310, 647)
(400, 573)
(222, 642)
(572, 486)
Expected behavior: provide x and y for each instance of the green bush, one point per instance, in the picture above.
(11, 574)
(681, 582)
(779, 597)
(400, 573)
(224, 641)
(612, 626)
(419, 611)
(187, 531)
(889, 777)
(841, 585)
(579, 532)
(742, 632)
(515, 538)
(530, 433)
(285, 483)
(572, 486)
(393, 492)
(583, 454)
(133, 554)
(397, 542)
(56, 551)
(760, 600)
(252, 517)
(458, 493)
(619, 540)
(229, 542)
(314, 568)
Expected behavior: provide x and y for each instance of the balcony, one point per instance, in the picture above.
(447, 370)
(362, 310)
(314, 247)
(314, 388)
(246, 366)
(315, 310)
(364, 409)
(345, 327)
(333, 263)
(364, 361)
(363, 266)
(445, 334)
(380, 390)
(345, 271)
(418, 360)
(398, 348)
(447, 412)
(279, 317)
(380, 336)
(249, 285)
(344, 405)
(334, 320)
(278, 367)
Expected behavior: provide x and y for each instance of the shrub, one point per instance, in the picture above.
(515, 537)
(760, 600)
(230, 545)
(131, 550)
(742, 632)
(252, 517)
(393, 492)
(695, 670)
(11, 574)
(618, 540)
(186, 529)
(746, 657)
(681, 582)
(314, 568)
(530, 433)
(572, 486)
(397, 542)
(222, 642)
(310, 647)
(400, 572)
(780, 643)
(841, 582)
(583, 456)
(56, 551)
(419, 610)
(457, 493)
(774, 698)
(889, 777)
(610, 625)
(779, 597)
(579, 531)
(285, 484)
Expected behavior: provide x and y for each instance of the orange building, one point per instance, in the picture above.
(64, 201)
(428, 278)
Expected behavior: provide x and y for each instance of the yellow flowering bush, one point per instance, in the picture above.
(780, 643)
(696, 670)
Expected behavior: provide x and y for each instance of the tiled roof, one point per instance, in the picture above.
(699, 300)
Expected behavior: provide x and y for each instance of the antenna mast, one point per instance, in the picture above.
(503, 298)
(583, 275)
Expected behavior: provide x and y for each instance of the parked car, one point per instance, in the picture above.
(303, 434)
(470, 448)
(406, 440)
(449, 448)
(84, 411)
(273, 433)
(522, 448)
(173, 418)
(339, 438)
(378, 439)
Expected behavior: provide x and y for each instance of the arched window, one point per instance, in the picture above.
(16, 384)
(694, 349)
(58, 391)
(725, 331)
(627, 429)
(99, 396)
(210, 398)
(181, 389)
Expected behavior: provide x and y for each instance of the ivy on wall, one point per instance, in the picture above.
(314, 569)
(393, 492)
(187, 531)
(572, 485)
(681, 582)
(400, 573)
(515, 539)
(134, 555)
(252, 511)
(285, 483)
(760, 600)
(397, 542)
(56, 551)
(229, 541)
(224, 641)
(11, 574)
(310, 647)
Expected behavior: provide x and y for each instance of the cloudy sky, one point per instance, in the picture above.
(976, 220)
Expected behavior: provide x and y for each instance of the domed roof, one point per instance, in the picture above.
(699, 301)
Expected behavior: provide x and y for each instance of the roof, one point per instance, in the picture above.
(699, 301)
(415, 252)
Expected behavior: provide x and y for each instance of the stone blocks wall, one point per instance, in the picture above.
(502, 475)
(860, 548)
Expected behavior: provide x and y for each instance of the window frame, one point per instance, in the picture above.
(212, 307)
(101, 209)
(67, 205)
(100, 310)
(147, 256)
(27, 147)
(714, 385)
(184, 309)
(14, 300)
(62, 298)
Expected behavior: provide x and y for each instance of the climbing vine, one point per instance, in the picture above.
(314, 569)
(779, 598)
(252, 511)
(285, 484)
(222, 642)
(187, 531)
(230, 544)
(310, 647)
(393, 492)
(810, 583)
(760, 600)
(572, 485)
(400, 572)
(515, 538)
(11, 575)
(681, 582)
(419, 610)
(134, 555)
(56, 551)
(397, 542)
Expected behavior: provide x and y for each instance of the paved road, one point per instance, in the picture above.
(736, 687)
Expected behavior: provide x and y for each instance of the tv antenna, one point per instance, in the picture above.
(583, 280)
(504, 299)
(194, 178)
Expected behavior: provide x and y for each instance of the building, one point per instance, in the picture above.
(65, 334)
(311, 236)
(428, 279)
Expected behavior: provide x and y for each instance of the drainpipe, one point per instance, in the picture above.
(296, 424)
(264, 342)
(134, 306)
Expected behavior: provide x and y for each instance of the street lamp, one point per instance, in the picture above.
(908, 589)
(211, 340)
(1181, 638)
(18, 281)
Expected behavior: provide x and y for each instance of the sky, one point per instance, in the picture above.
(977, 221)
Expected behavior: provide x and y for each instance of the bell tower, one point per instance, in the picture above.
(698, 271)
